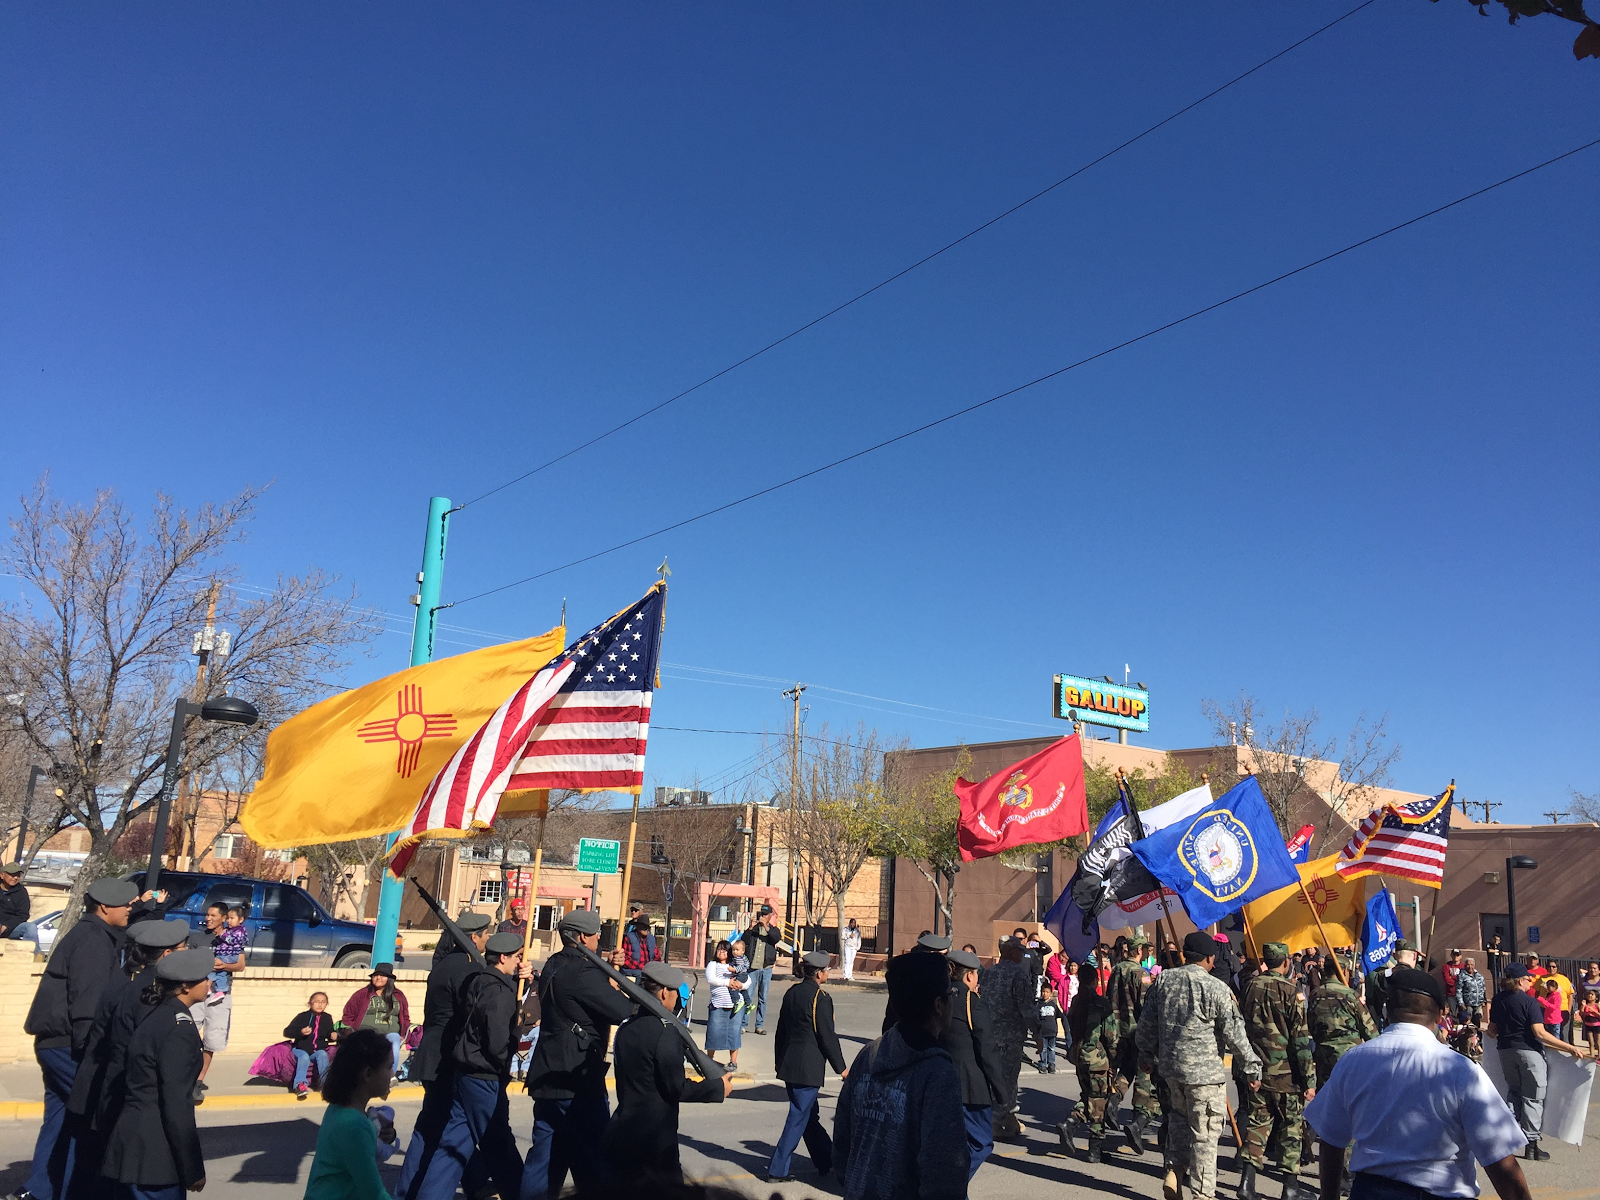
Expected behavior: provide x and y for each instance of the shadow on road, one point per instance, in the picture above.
(272, 1150)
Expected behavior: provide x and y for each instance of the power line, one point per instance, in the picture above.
(923, 261)
(1022, 387)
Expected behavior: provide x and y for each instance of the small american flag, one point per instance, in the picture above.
(582, 722)
(1406, 840)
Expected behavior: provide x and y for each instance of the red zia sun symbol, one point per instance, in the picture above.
(1321, 895)
(410, 728)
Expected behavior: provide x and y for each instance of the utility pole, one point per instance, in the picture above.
(1555, 817)
(429, 583)
(794, 694)
(1488, 805)
(206, 641)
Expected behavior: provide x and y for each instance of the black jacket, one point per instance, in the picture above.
(99, 1081)
(577, 1007)
(154, 1142)
(806, 1043)
(321, 1026)
(484, 1033)
(82, 964)
(438, 1008)
(641, 1143)
(14, 909)
(970, 1045)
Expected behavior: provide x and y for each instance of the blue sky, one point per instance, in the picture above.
(374, 254)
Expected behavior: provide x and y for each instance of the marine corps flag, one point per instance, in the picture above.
(1285, 916)
(1040, 799)
(354, 765)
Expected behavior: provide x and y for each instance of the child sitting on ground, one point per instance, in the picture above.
(1467, 1040)
(312, 1034)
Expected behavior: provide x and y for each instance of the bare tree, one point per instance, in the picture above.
(1586, 807)
(96, 650)
(339, 865)
(1291, 760)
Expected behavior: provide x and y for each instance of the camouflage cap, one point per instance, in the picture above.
(1275, 954)
(1138, 939)
(1405, 944)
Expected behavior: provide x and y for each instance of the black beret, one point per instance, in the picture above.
(1409, 979)
(1199, 945)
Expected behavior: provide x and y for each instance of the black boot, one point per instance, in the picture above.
(1534, 1153)
(1135, 1132)
(1247, 1182)
(1064, 1132)
(1094, 1148)
(1293, 1191)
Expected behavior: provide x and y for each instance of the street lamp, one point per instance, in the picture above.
(1513, 864)
(224, 710)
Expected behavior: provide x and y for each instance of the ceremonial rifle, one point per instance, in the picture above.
(451, 927)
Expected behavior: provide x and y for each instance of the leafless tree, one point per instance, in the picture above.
(1585, 806)
(346, 868)
(95, 651)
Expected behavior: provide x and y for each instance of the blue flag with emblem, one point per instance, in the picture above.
(1222, 857)
(1379, 932)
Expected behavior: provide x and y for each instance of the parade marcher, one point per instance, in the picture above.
(761, 942)
(1189, 1020)
(640, 1147)
(1517, 1020)
(430, 1062)
(483, 1037)
(16, 910)
(926, 943)
(898, 1125)
(99, 1087)
(1008, 986)
(345, 1166)
(1093, 1021)
(1404, 955)
(805, 1047)
(849, 947)
(82, 965)
(578, 1005)
(970, 1044)
(154, 1147)
(1128, 985)
(1276, 1025)
(1417, 1112)
(1337, 1022)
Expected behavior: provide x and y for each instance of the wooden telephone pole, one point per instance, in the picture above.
(204, 643)
(791, 917)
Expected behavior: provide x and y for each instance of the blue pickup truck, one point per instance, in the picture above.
(288, 928)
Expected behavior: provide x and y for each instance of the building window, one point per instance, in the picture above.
(223, 846)
(490, 891)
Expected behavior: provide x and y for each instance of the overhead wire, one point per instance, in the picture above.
(923, 261)
(1022, 387)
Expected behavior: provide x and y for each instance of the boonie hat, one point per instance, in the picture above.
(965, 959)
(662, 976)
(584, 921)
(932, 941)
(1275, 954)
(471, 922)
(186, 966)
(1138, 939)
(113, 893)
(818, 959)
(159, 935)
(504, 942)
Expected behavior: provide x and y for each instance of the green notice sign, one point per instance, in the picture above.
(599, 856)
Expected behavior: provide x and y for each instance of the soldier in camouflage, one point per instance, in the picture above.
(1338, 1021)
(1277, 1028)
(1189, 1020)
(1093, 1023)
(1128, 985)
(1008, 988)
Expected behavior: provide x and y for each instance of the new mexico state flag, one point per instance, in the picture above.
(1284, 915)
(355, 765)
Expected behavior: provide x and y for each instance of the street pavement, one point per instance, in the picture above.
(259, 1141)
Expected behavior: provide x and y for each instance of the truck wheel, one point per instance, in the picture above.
(352, 960)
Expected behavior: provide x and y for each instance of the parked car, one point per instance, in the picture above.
(287, 927)
(43, 931)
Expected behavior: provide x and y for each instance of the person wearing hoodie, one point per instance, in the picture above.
(899, 1130)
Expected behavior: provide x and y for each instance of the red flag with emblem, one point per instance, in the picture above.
(1038, 800)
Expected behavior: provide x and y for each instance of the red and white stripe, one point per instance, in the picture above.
(1406, 852)
(587, 740)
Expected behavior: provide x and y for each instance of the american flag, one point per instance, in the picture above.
(1406, 840)
(581, 722)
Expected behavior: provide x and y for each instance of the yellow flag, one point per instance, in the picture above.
(356, 764)
(1284, 915)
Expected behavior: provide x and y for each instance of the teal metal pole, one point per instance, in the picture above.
(383, 934)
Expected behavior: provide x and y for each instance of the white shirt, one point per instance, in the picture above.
(1417, 1111)
(718, 975)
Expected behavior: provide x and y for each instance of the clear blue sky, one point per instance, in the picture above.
(370, 254)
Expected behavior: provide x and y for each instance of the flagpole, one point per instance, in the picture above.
(533, 893)
(1250, 936)
(1433, 912)
(1161, 892)
(1326, 941)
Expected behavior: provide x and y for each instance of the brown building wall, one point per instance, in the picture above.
(1557, 896)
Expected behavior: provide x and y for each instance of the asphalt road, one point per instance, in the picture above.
(264, 1149)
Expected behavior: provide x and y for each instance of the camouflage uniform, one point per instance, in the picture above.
(1337, 1021)
(1189, 1020)
(1129, 984)
(1007, 988)
(1277, 1029)
(1093, 1022)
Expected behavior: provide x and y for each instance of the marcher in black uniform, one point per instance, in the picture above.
(84, 961)
(100, 1086)
(970, 1044)
(15, 907)
(429, 1063)
(926, 944)
(154, 1148)
(578, 1004)
(805, 1047)
(640, 1148)
(483, 1037)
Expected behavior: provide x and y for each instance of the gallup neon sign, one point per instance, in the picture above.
(1102, 703)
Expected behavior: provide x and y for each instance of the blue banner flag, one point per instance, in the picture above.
(1077, 932)
(1379, 932)
(1222, 857)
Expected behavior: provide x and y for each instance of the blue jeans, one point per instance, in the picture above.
(438, 1102)
(801, 1122)
(52, 1153)
(395, 1042)
(980, 1134)
(302, 1067)
(479, 1124)
(1047, 1052)
(171, 1191)
(566, 1137)
(760, 981)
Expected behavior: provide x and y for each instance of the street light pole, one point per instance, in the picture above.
(1513, 864)
(225, 711)
(27, 808)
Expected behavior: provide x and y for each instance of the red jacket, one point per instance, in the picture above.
(355, 1009)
